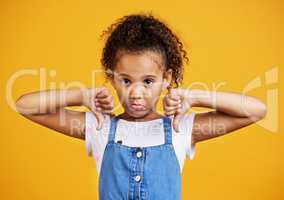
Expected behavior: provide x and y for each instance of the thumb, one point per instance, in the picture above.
(100, 118)
(176, 121)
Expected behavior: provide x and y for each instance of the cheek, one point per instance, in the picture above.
(154, 94)
(122, 95)
(118, 88)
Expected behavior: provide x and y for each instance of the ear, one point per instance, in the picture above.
(167, 78)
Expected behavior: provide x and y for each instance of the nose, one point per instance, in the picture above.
(136, 91)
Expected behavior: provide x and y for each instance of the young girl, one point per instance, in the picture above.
(140, 153)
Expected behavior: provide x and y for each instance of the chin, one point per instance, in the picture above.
(137, 114)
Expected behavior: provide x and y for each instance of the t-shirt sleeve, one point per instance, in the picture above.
(190, 147)
(90, 125)
(96, 140)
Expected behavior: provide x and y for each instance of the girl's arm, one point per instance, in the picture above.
(232, 111)
(47, 108)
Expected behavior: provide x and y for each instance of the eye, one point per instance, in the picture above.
(125, 81)
(149, 81)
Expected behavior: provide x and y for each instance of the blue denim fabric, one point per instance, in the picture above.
(140, 173)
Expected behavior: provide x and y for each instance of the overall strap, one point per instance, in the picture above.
(112, 130)
(167, 129)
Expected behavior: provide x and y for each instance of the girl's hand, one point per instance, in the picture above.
(100, 101)
(177, 103)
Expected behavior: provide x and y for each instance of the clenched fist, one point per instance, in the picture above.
(177, 103)
(100, 101)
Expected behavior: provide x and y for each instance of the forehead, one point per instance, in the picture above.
(137, 65)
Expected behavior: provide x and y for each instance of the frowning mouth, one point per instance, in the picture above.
(137, 107)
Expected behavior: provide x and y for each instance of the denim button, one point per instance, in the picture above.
(139, 154)
(137, 178)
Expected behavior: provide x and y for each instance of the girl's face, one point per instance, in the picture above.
(139, 80)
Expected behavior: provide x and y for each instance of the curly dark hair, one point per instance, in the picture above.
(137, 33)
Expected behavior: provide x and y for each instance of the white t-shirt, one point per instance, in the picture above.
(143, 134)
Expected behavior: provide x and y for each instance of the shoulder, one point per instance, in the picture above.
(91, 123)
(91, 119)
(185, 124)
(96, 139)
(186, 121)
(183, 140)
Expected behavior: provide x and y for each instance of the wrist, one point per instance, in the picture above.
(85, 94)
(198, 98)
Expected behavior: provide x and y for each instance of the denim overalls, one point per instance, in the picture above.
(140, 173)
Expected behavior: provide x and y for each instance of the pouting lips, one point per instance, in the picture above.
(137, 107)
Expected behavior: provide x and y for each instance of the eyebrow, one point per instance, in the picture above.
(146, 76)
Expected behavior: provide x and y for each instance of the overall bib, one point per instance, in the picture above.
(140, 173)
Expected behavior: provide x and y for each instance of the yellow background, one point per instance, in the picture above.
(228, 41)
